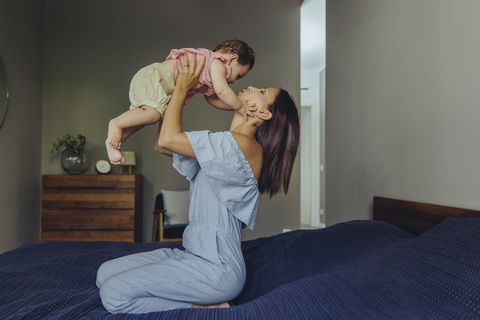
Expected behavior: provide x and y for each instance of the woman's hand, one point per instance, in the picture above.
(188, 72)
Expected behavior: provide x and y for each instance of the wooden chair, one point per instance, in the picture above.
(164, 232)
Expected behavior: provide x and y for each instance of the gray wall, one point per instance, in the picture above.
(92, 49)
(20, 135)
(403, 98)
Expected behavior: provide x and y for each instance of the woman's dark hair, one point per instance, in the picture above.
(279, 138)
(245, 53)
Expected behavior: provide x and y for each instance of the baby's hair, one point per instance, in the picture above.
(245, 53)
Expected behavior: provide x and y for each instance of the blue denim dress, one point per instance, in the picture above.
(211, 269)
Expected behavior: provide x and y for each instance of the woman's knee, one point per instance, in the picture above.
(112, 295)
(104, 272)
(101, 275)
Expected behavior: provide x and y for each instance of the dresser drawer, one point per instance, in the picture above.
(88, 219)
(88, 235)
(65, 199)
(92, 207)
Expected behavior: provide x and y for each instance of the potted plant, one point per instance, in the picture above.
(74, 159)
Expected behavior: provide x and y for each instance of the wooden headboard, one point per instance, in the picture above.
(416, 217)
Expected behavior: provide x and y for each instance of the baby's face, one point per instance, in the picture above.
(238, 71)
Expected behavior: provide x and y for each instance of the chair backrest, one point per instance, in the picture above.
(158, 205)
(175, 203)
(159, 202)
(172, 207)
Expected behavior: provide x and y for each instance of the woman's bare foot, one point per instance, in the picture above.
(114, 137)
(115, 155)
(212, 306)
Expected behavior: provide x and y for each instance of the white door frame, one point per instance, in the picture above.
(312, 159)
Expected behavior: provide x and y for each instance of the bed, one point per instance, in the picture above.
(413, 261)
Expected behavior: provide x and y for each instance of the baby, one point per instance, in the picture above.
(152, 87)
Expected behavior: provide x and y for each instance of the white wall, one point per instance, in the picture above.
(402, 104)
(20, 135)
(92, 49)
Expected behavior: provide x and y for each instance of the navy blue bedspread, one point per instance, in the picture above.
(353, 270)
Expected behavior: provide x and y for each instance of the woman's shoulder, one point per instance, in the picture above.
(252, 151)
(244, 140)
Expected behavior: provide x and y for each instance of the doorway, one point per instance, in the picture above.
(312, 113)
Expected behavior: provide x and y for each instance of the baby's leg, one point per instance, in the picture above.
(123, 126)
(114, 154)
(141, 116)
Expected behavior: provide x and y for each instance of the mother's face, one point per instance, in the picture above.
(262, 98)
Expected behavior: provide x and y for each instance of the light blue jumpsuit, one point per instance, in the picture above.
(223, 198)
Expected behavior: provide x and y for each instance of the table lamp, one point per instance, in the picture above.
(129, 161)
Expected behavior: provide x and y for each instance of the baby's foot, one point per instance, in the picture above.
(114, 154)
(114, 137)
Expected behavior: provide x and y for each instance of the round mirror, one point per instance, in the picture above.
(3, 92)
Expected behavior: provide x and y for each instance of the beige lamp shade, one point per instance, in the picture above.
(129, 158)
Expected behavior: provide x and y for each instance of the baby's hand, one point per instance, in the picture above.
(248, 109)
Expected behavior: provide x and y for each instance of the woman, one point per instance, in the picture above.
(227, 172)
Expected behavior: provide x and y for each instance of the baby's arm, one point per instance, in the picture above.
(222, 89)
(217, 103)
(247, 108)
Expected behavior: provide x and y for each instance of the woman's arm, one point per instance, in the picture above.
(157, 147)
(171, 137)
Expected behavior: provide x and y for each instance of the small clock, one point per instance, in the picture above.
(103, 166)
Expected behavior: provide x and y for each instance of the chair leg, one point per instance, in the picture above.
(155, 227)
(160, 228)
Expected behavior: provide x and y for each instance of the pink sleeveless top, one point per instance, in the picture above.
(205, 77)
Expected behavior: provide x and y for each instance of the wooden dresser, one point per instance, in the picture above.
(92, 207)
